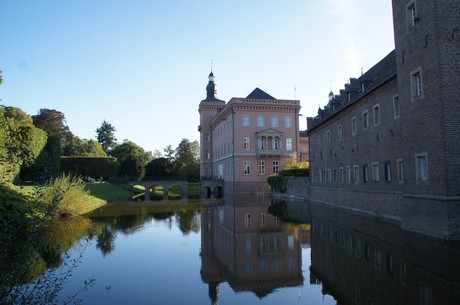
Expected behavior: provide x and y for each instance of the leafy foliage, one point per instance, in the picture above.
(187, 160)
(106, 136)
(83, 148)
(278, 183)
(132, 159)
(66, 194)
(89, 166)
(54, 123)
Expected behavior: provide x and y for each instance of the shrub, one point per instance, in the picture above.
(278, 183)
(67, 195)
(295, 172)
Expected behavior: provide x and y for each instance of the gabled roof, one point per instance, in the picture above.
(260, 94)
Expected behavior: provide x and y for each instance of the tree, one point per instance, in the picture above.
(187, 159)
(54, 123)
(158, 167)
(21, 142)
(106, 136)
(1, 77)
(83, 148)
(132, 159)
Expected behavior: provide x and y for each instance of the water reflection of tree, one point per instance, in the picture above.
(40, 252)
(189, 221)
(106, 240)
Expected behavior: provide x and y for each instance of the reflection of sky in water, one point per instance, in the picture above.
(159, 264)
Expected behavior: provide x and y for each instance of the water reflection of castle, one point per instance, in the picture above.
(364, 260)
(245, 246)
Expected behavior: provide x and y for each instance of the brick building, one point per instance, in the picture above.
(244, 141)
(389, 143)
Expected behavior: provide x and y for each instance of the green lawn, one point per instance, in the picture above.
(107, 191)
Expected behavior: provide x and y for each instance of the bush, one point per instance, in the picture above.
(295, 172)
(67, 195)
(278, 183)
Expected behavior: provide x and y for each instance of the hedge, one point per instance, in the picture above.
(95, 167)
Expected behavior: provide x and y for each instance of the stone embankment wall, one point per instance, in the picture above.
(297, 188)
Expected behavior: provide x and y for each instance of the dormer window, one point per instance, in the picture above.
(362, 87)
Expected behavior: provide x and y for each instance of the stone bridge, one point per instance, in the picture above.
(166, 184)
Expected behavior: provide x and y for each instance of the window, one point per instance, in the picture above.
(356, 173)
(335, 175)
(208, 155)
(399, 163)
(341, 174)
(262, 143)
(365, 119)
(354, 130)
(275, 122)
(416, 84)
(365, 173)
(375, 171)
(247, 220)
(289, 144)
(276, 143)
(376, 111)
(387, 171)
(248, 245)
(261, 167)
(339, 132)
(396, 106)
(276, 167)
(318, 138)
(247, 167)
(421, 170)
(288, 122)
(246, 143)
(348, 174)
(328, 137)
(390, 264)
(246, 120)
(262, 219)
(208, 137)
(411, 15)
(260, 121)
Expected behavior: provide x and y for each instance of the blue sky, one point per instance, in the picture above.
(143, 65)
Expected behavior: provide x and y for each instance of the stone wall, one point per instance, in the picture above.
(297, 188)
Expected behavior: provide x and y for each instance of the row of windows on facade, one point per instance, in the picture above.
(348, 243)
(263, 266)
(417, 93)
(372, 172)
(261, 168)
(263, 143)
(260, 121)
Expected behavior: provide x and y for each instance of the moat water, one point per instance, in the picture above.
(250, 250)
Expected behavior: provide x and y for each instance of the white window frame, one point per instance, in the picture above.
(246, 168)
(396, 107)
(411, 15)
(246, 143)
(275, 121)
(356, 173)
(366, 172)
(339, 132)
(375, 172)
(400, 170)
(354, 127)
(348, 174)
(387, 168)
(421, 167)
(276, 167)
(365, 119)
(376, 114)
(261, 168)
(260, 120)
(289, 144)
(287, 122)
(246, 120)
(416, 82)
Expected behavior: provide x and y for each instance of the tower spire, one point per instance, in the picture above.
(211, 88)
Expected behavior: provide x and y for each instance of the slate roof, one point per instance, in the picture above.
(260, 94)
(372, 79)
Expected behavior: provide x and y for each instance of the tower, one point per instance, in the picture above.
(208, 108)
(427, 41)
